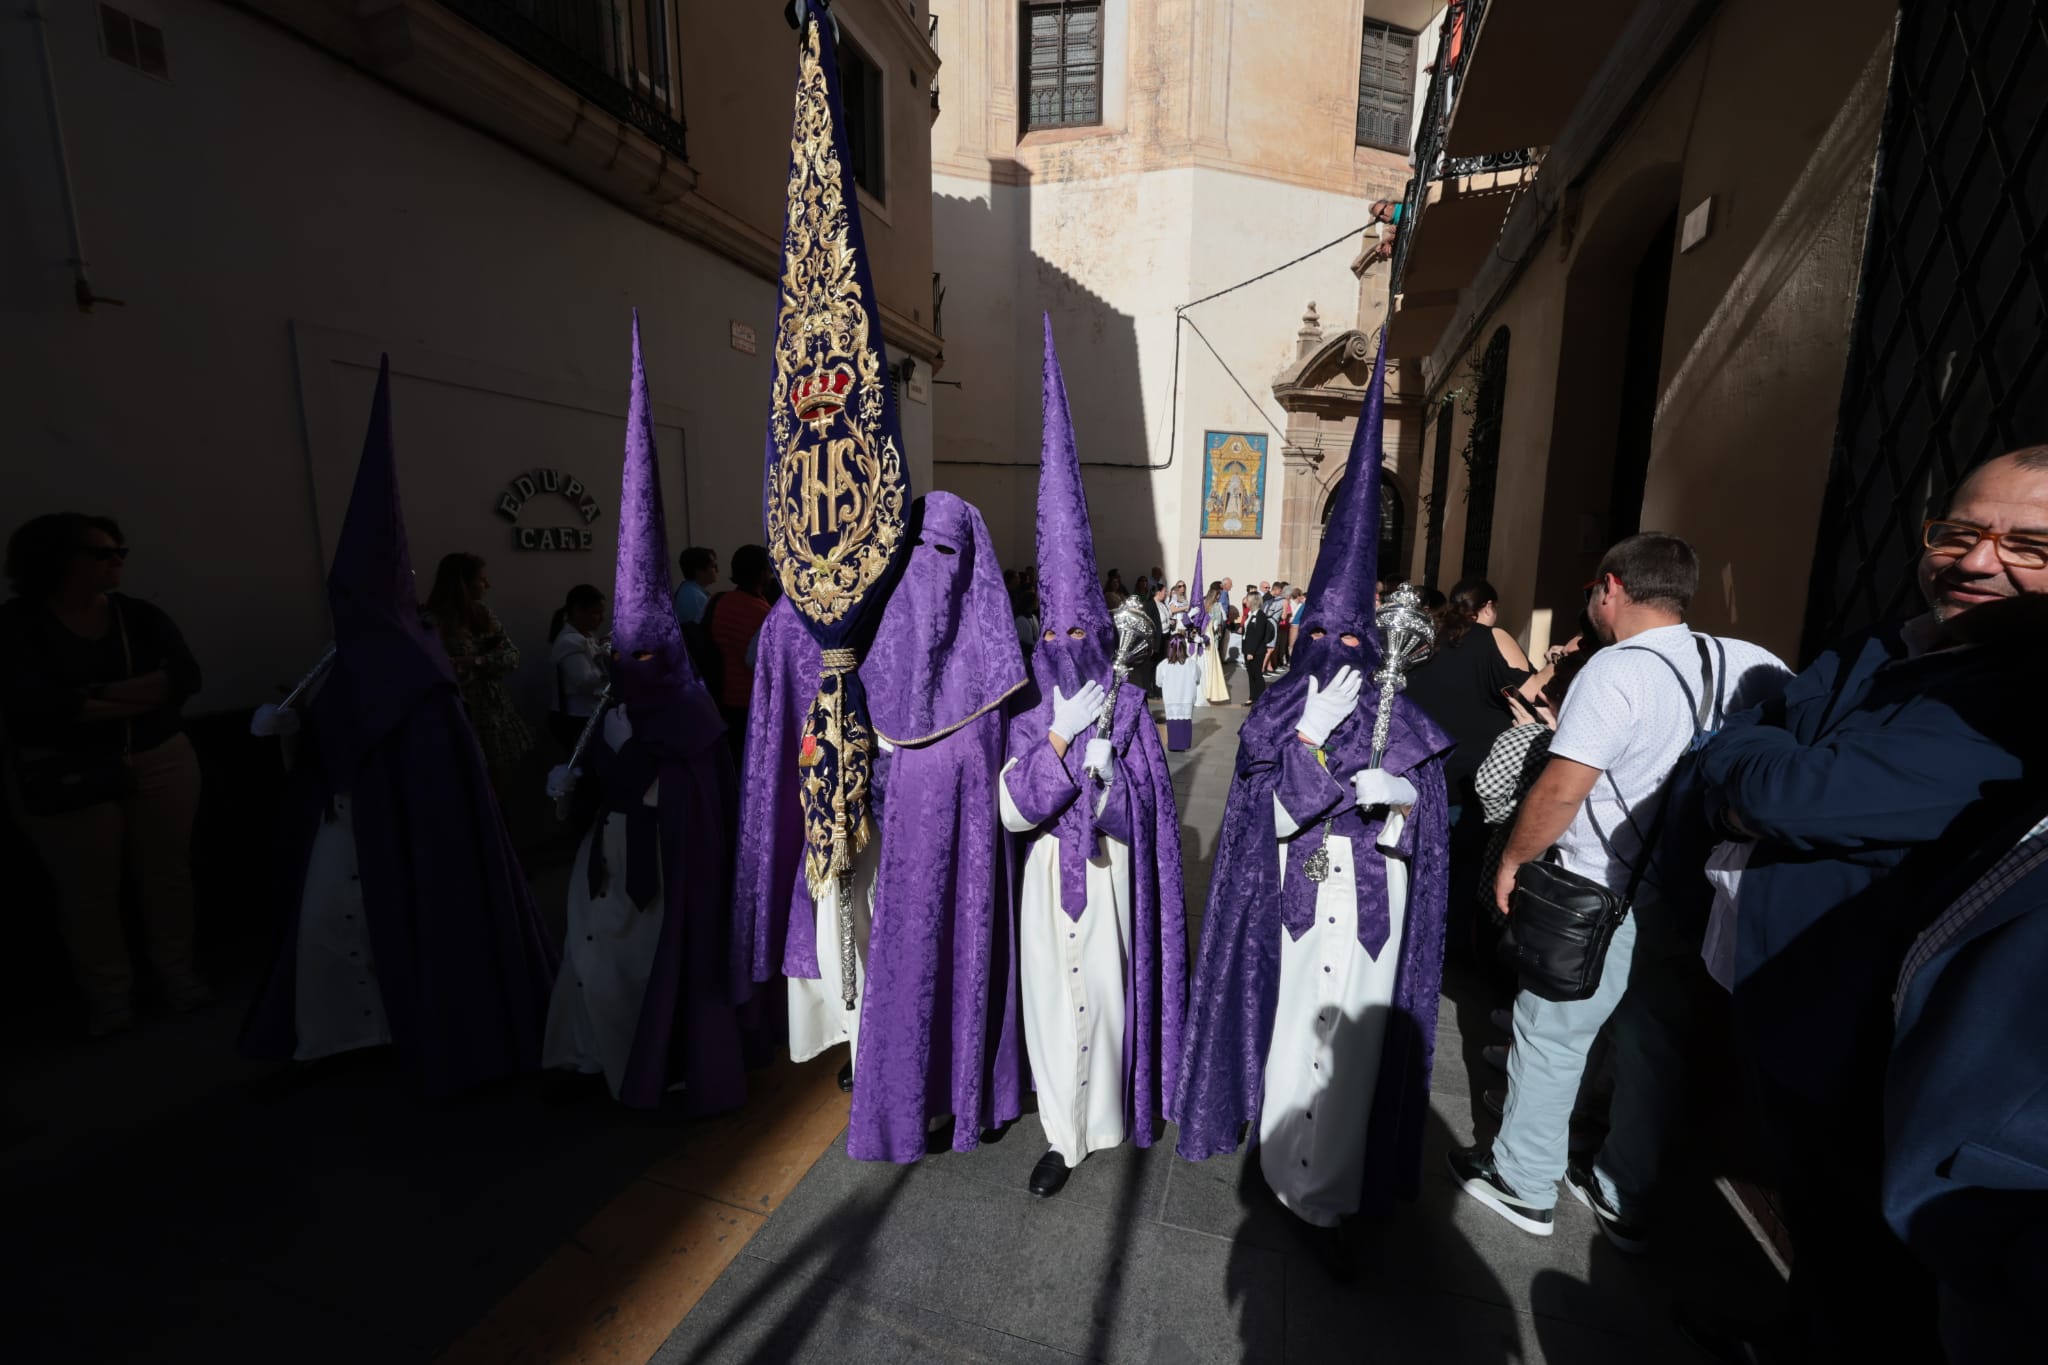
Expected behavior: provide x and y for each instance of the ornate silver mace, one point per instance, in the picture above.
(1407, 636)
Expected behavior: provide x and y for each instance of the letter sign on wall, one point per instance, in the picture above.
(552, 483)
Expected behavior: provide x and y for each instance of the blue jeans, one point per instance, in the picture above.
(1649, 987)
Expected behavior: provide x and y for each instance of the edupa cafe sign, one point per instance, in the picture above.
(549, 483)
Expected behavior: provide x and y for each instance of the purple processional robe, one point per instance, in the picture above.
(1060, 799)
(678, 850)
(939, 1028)
(1229, 1035)
(463, 963)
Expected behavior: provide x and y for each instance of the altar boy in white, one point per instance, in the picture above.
(1101, 925)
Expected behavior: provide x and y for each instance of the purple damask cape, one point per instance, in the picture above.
(941, 1033)
(688, 1030)
(463, 959)
(1061, 799)
(1231, 1003)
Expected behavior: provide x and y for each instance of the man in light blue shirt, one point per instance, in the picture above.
(693, 595)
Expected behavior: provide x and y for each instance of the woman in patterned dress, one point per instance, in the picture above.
(484, 656)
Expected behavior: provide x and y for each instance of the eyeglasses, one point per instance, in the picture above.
(105, 554)
(2015, 550)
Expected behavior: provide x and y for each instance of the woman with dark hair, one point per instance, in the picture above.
(484, 656)
(1113, 590)
(577, 651)
(1463, 686)
(1215, 683)
(91, 684)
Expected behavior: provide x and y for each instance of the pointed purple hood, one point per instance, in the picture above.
(1070, 593)
(1340, 592)
(386, 658)
(663, 696)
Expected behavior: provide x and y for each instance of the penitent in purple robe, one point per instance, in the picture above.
(1069, 806)
(939, 1033)
(1233, 999)
(462, 961)
(677, 858)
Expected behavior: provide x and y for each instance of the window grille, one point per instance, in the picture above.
(1062, 80)
(1386, 86)
(1948, 359)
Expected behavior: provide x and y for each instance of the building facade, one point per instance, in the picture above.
(1134, 168)
(221, 214)
(1648, 287)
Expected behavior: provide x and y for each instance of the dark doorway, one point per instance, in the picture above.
(1649, 292)
(1484, 462)
(1439, 490)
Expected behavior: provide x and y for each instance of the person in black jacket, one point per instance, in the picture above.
(91, 685)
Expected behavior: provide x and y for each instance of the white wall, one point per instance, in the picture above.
(273, 219)
(1111, 259)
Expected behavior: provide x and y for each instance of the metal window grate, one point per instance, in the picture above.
(618, 54)
(1386, 86)
(1948, 358)
(1062, 65)
(860, 89)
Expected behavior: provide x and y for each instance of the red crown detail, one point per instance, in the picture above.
(822, 394)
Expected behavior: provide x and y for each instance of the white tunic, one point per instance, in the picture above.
(1072, 974)
(818, 1017)
(338, 1005)
(607, 957)
(1180, 685)
(1329, 1031)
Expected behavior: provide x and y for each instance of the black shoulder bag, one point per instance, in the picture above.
(1563, 921)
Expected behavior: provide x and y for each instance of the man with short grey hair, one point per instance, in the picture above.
(1629, 716)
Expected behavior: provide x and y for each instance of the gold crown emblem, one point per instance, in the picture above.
(821, 395)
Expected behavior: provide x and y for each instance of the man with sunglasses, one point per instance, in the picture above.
(1884, 768)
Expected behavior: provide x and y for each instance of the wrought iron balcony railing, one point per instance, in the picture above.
(618, 54)
(1454, 50)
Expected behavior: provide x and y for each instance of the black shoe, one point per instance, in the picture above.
(1049, 1176)
(846, 1079)
(1473, 1168)
(1632, 1238)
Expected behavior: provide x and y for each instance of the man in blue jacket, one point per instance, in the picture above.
(1880, 760)
(1966, 1101)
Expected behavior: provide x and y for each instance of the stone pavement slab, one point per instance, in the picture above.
(1148, 1259)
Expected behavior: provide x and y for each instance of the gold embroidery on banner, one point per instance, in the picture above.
(839, 475)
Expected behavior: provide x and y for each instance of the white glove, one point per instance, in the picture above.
(561, 781)
(1101, 757)
(617, 729)
(273, 720)
(1327, 708)
(1378, 787)
(1072, 715)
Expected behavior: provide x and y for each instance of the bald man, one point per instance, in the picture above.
(1888, 762)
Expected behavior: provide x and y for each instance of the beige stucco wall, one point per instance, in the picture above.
(1227, 148)
(1755, 336)
(265, 263)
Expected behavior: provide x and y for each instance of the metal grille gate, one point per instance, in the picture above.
(1948, 362)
